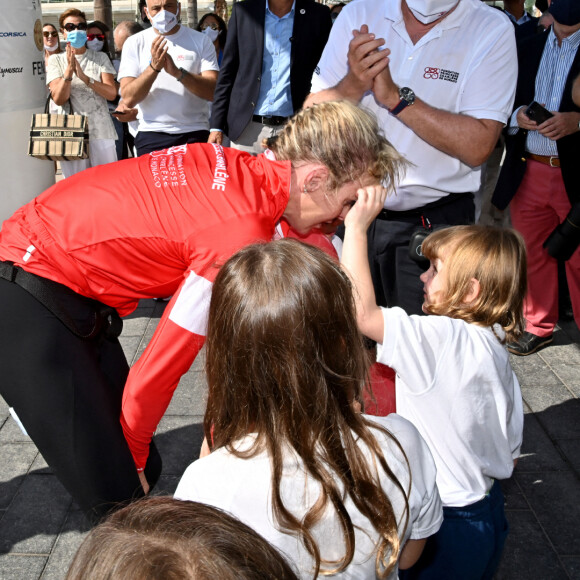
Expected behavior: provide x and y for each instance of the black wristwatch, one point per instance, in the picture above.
(407, 99)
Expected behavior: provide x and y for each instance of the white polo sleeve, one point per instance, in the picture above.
(494, 64)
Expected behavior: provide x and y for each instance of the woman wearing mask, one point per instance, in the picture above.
(86, 78)
(51, 42)
(215, 27)
(97, 37)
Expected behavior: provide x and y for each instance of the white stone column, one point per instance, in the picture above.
(22, 93)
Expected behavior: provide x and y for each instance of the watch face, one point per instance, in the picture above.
(407, 94)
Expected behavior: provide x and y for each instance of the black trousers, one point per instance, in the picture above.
(395, 276)
(148, 141)
(67, 392)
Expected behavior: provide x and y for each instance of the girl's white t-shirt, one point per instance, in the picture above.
(242, 487)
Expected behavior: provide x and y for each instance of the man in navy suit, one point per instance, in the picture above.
(540, 178)
(272, 50)
(525, 24)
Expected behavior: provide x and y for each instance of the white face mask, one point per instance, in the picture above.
(51, 48)
(427, 11)
(213, 34)
(95, 44)
(163, 21)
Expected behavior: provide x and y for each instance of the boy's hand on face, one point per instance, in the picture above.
(369, 203)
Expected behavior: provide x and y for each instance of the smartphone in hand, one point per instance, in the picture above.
(537, 113)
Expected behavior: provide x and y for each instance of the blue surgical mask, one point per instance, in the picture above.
(77, 38)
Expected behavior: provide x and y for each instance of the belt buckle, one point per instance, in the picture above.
(552, 157)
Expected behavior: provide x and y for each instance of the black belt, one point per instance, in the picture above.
(272, 121)
(391, 215)
(106, 318)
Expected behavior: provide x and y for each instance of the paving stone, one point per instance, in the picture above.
(166, 485)
(571, 450)
(179, 441)
(35, 516)
(514, 497)
(11, 433)
(526, 554)
(538, 453)
(190, 397)
(71, 537)
(560, 419)
(542, 397)
(551, 497)
(40, 465)
(134, 326)
(555, 355)
(21, 567)
(572, 566)
(131, 346)
(3, 411)
(532, 370)
(15, 459)
(569, 374)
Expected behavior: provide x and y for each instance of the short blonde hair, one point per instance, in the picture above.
(344, 138)
(496, 258)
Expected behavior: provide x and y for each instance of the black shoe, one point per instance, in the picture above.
(529, 344)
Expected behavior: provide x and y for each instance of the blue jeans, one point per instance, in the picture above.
(468, 545)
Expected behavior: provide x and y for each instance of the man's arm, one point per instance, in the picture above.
(134, 90)
(461, 136)
(467, 138)
(201, 85)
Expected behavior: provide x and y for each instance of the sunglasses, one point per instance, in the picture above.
(95, 36)
(69, 26)
(48, 34)
(212, 26)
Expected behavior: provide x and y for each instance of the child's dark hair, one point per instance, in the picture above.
(496, 258)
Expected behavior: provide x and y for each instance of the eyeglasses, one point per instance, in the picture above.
(48, 34)
(95, 36)
(213, 26)
(69, 26)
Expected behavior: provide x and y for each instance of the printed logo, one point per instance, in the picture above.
(183, 57)
(431, 73)
(441, 74)
(317, 70)
(10, 71)
(38, 68)
(38, 40)
(9, 34)
(167, 169)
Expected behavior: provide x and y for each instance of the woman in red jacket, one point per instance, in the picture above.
(84, 252)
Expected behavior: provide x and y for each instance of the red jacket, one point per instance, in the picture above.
(158, 225)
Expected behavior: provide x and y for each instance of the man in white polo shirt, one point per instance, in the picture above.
(440, 75)
(169, 73)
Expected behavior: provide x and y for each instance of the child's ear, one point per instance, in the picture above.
(472, 292)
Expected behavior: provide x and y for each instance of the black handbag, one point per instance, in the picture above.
(59, 136)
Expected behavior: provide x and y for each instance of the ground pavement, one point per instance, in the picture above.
(41, 528)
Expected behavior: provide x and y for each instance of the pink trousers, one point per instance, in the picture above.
(540, 204)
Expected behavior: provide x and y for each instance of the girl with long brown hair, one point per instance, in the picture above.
(337, 492)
